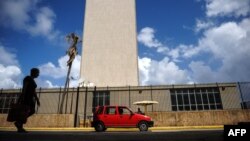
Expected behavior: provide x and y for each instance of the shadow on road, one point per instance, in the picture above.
(208, 135)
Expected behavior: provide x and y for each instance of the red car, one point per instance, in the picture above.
(119, 116)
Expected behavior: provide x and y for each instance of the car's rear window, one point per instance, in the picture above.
(99, 110)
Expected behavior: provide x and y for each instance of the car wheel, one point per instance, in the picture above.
(99, 127)
(105, 129)
(143, 126)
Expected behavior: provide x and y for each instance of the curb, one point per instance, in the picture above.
(170, 128)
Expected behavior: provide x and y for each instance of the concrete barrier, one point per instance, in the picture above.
(200, 118)
(161, 119)
(43, 120)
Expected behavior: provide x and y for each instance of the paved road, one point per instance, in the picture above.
(204, 135)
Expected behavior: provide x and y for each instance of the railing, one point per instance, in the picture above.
(81, 101)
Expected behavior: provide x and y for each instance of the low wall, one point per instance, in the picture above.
(43, 120)
(200, 118)
(191, 118)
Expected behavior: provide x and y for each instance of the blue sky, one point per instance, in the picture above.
(179, 42)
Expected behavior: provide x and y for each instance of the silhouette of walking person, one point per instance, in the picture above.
(28, 97)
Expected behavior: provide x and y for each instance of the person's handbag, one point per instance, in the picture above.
(18, 112)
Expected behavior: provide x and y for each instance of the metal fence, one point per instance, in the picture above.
(83, 100)
(244, 91)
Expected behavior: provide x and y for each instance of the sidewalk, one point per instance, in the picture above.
(77, 129)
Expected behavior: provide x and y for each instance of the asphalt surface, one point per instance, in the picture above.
(159, 134)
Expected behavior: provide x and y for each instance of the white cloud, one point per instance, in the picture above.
(6, 57)
(26, 15)
(44, 23)
(228, 43)
(161, 72)
(10, 72)
(144, 67)
(226, 53)
(188, 51)
(224, 41)
(202, 25)
(53, 71)
(60, 71)
(45, 83)
(202, 73)
(9, 76)
(227, 8)
(146, 36)
(15, 13)
(49, 84)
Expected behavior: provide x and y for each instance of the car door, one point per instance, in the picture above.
(110, 116)
(126, 117)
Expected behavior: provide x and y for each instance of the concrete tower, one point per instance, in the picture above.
(109, 54)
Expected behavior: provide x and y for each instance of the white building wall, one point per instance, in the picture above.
(109, 55)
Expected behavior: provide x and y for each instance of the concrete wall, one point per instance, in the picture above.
(43, 120)
(200, 118)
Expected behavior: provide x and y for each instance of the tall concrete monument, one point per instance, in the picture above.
(109, 54)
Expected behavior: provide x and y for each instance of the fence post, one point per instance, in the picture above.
(76, 112)
(59, 101)
(151, 94)
(66, 104)
(129, 96)
(1, 105)
(241, 97)
(85, 106)
(72, 97)
(39, 94)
